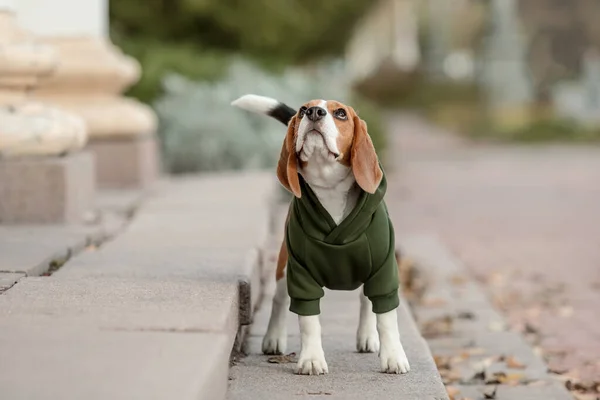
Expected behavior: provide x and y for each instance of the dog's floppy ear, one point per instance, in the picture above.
(287, 168)
(363, 158)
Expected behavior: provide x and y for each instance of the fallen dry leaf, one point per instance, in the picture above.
(442, 362)
(435, 327)
(458, 280)
(474, 351)
(530, 329)
(319, 393)
(452, 392)
(433, 302)
(282, 359)
(490, 393)
(450, 376)
(512, 362)
(507, 379)
(582, 386)
(466, 315)
(478, 377)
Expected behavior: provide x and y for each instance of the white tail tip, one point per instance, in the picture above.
(255, 103)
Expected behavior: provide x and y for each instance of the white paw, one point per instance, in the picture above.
(274, 343)
(312, 363)
(394, 362)
(367, 342)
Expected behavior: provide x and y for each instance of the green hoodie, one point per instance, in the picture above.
(340, 257)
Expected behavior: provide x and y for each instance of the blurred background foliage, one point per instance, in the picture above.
(195, 37)
(199, 55)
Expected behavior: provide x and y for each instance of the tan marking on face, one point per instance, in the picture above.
(345, 129)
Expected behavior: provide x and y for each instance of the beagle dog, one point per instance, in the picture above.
(338, 233)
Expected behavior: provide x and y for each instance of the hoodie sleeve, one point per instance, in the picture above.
(305, 293)
(382, 285)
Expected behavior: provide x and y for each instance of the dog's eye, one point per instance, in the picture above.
(340, 113)
(302, 112)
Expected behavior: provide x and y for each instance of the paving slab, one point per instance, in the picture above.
(351, 375)
(52, 361)
(32, 249)
(209, 227)
(116, 338)
(125, 304)
(476, 329)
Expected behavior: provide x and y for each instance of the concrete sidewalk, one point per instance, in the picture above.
(150, 314)
(351, 375)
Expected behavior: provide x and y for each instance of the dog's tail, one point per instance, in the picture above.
(266, 105)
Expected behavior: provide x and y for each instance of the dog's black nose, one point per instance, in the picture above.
(316, 113)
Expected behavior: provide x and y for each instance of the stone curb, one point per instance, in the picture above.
(34, 250)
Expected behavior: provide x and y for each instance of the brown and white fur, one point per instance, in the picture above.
(328, 144)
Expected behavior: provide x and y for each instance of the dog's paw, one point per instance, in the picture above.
(394, 362)
(367, 342)
(274, 343)
(312, 363)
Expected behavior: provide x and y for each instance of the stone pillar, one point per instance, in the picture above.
(44, 178)
(89, 81)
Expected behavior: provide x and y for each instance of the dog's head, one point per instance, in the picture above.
(330, 133)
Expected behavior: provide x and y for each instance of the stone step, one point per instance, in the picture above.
(209, 228)
(33, 249)
(152, 313)
(112, 338)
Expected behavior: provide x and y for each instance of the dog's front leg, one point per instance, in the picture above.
(275, 340)
(312, 358)
(392, 355)
(367, 339)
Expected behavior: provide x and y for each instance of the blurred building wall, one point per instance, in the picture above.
(388, 34)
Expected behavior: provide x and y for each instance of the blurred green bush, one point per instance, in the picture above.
(198, 55)
(195, 37)
(201, 131)
(291, 30)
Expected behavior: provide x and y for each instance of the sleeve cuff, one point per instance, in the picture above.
(305, 307)
(386, 303)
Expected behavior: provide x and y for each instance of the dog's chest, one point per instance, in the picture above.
(333, 184)
(339, 204)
